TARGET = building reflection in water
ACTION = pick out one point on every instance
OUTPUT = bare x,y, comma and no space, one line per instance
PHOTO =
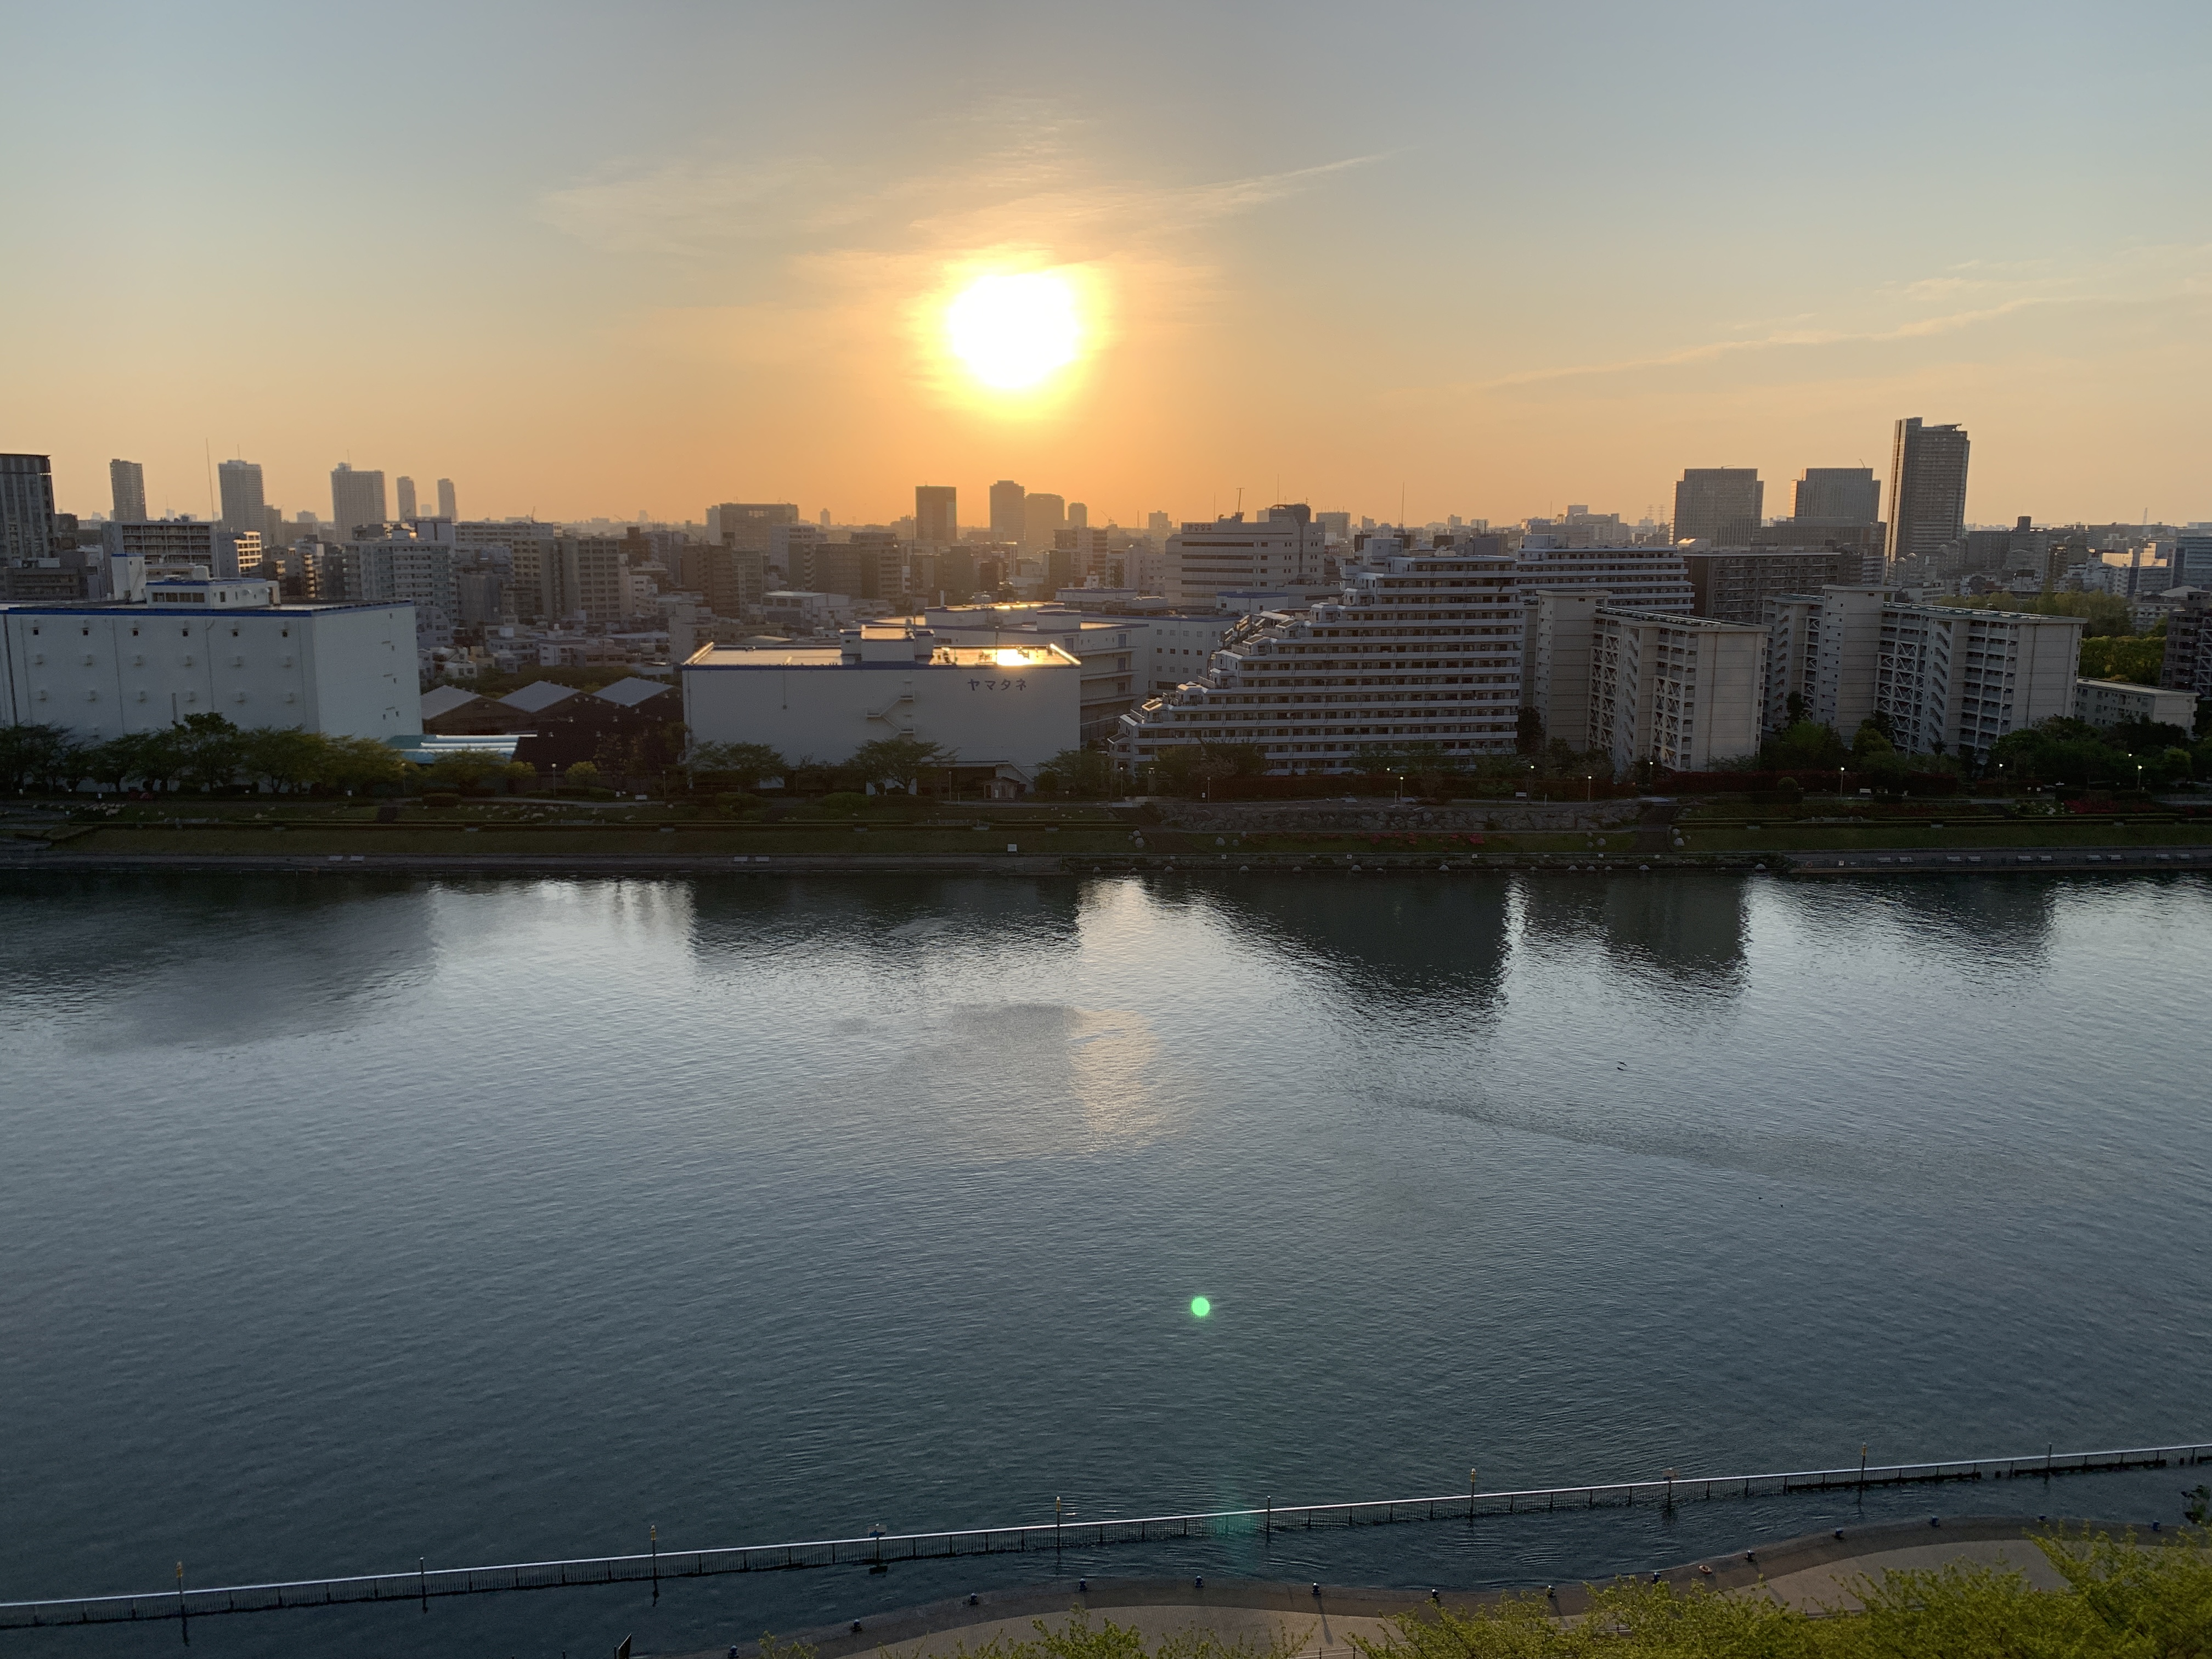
206,960
1997,930
1392,944
1678,931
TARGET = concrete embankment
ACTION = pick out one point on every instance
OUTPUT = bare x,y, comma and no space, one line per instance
1816,1572
1855,863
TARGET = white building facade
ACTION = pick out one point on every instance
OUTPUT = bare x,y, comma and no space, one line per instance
2116,703
1011,705
1954,679
102,670
1424,649
1280,552
1684,692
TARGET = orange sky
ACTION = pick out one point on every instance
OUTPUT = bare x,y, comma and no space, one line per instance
1500,262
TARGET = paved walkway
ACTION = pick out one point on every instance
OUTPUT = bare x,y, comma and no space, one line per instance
1815,1573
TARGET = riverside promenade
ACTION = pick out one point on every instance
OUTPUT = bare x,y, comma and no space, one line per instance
1816,1572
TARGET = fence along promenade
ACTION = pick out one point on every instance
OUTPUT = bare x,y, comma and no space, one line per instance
185,1602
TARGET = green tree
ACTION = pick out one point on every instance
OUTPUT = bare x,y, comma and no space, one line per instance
1809,745
1086,773
290,758
210,751
1872,739
2135,660
469,771
585,775
1528,731
38,756
118,761
899,763
743,764
361,765
2104,614
519,775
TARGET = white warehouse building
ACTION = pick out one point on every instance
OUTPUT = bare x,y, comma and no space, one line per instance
1009,706
102,670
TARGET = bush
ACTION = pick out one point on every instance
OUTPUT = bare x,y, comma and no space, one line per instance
843,803
441,799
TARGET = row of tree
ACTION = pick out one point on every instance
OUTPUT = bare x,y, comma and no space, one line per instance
202,751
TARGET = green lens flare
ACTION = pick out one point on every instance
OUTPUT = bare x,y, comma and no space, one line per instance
1200,1307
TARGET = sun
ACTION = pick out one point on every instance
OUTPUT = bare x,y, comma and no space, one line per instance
1014,331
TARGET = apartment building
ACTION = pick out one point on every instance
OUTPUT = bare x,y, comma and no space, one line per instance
1954,679
1683,692
1423,648
1647,578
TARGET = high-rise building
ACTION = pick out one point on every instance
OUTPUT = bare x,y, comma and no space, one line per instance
1684,692
1719,504
447,509
747,524
356,500
1006,510
126,481
27,507
1280,554
1733,584
1079,515
407,487
936,514
1927,489
1158,524
1846,495
243,508
1043,512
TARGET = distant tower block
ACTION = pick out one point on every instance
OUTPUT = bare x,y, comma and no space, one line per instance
447,509
406,486
127,479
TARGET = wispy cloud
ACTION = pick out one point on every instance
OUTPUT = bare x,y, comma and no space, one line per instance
2134,277
1028,182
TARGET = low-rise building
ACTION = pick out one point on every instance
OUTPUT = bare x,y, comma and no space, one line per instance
2103,703
1111,649
1013,707
215,647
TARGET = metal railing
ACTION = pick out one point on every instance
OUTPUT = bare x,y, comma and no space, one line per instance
424,1582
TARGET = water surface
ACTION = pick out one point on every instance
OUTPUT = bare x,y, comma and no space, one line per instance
350,1219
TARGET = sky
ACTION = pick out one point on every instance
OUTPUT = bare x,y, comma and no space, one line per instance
1477,259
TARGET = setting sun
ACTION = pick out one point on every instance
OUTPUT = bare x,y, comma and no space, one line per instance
1013,331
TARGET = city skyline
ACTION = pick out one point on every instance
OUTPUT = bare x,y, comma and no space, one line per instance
1341,296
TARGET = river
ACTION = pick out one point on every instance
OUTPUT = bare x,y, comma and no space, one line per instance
347,1220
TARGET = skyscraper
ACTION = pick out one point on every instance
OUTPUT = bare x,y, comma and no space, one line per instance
936,513
406,486
748,524
1006,499
1719,504
356,499
27,507
243,508
1079,515
446,508
1927,489
1847,494
127,480
1043,512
